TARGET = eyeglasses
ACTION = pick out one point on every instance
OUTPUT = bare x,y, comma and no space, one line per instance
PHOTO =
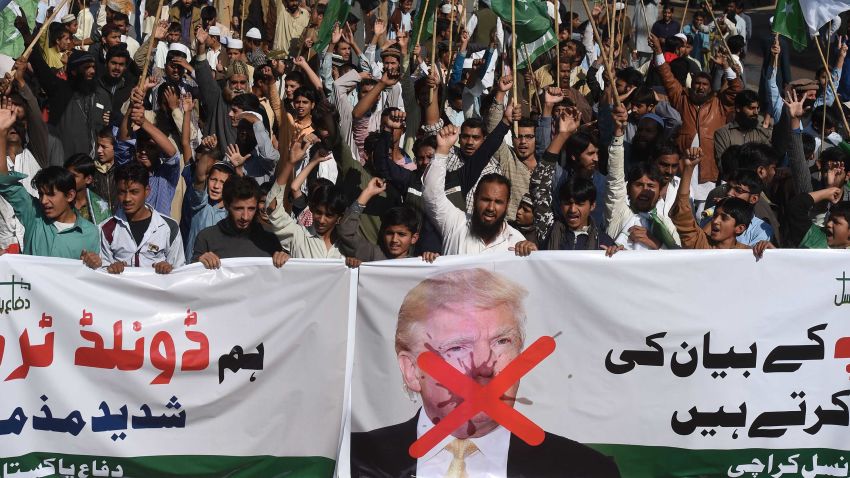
740,190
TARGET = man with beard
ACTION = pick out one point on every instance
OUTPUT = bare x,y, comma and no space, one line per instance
702,112
110,37
77,106
630,202
114,82
745,128
215,101
483,231
291,22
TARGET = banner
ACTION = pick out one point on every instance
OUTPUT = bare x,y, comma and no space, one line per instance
233,372
685,363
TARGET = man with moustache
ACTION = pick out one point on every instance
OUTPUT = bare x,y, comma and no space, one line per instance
474,319
745,128
483,231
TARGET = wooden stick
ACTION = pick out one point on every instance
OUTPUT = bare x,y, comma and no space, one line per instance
622,33
151,45
829,73
684,14
242,21
714,19
533,79
608,69
557,45
434,53
775,57
451,29
831,85
421,26
515,73
645,18
571,19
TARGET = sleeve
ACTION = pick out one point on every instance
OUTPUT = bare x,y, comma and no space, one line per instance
472,168
106,255
201,246
268,154
124,151
797,218
283,226
675,90
797,158
616,198
494,116
541,195
36,129
774,99
352,243
544,135
176,257
721,143
692,236
209,88
26,207
438,208
457,68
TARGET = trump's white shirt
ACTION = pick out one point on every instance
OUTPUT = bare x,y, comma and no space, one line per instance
490,460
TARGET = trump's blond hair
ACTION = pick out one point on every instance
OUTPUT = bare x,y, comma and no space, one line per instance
478,288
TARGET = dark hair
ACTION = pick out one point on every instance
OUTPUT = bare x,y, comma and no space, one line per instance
581,50
208,13
455,91
493,178
577,189
237,188
680,67
82,163
174,27
106,132
474,123
642,169
247,102
665,148
222,167
644,95
700,14
736,44
577,144
748,178
109,28
671,44
260,76
120,16
426,141
757,155
296,76
305,92
370,144
212,153
119,50
133,171
368,82
842,210
265,188
809,145
740,210
699,74
327,195
527,123
729,161
54,177
55,31
631,77
400,216
818,118
746,98
834,154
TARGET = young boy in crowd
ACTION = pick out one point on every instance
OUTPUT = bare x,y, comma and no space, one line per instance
137,235
731,217
52,226
91,207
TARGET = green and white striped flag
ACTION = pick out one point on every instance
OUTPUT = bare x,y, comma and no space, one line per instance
800,19
11,42
535,31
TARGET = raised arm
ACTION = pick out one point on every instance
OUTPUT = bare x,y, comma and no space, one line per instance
445,216
388,79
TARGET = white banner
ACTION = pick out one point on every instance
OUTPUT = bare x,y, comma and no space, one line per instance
684,363
241,369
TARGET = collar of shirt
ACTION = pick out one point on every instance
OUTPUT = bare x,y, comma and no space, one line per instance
494,445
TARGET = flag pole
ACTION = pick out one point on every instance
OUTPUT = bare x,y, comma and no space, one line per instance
434,53
421,24
514,71
608,70
684,14
571,22
451,35
714,19
150,47
775,57
557,45
534,79
831,85
44,27
823,124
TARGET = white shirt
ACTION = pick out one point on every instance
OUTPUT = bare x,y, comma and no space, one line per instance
132,45
454,224
490,460
25,163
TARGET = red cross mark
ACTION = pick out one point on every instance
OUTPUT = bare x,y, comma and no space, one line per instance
486,398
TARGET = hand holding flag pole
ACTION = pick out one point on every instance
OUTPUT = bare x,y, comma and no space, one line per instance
605,57
832,86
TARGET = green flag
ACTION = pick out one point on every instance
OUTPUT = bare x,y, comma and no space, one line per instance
11,42
789,22
336,12
428,9
535,30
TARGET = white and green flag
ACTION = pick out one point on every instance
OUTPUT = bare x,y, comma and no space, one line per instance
800,19
535,30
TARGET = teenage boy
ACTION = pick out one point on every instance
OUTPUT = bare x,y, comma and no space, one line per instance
137,235
239,234
398,233
835,233
745,184
92,207
731,217
205,198
52,226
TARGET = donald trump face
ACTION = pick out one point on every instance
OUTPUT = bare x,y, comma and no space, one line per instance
473,319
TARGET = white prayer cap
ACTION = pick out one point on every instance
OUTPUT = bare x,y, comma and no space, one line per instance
114,6
682,36
446,8
254,33
177,46
68,18
234,43
215,31
619,6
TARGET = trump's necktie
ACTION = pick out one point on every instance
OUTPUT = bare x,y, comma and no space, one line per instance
460,449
